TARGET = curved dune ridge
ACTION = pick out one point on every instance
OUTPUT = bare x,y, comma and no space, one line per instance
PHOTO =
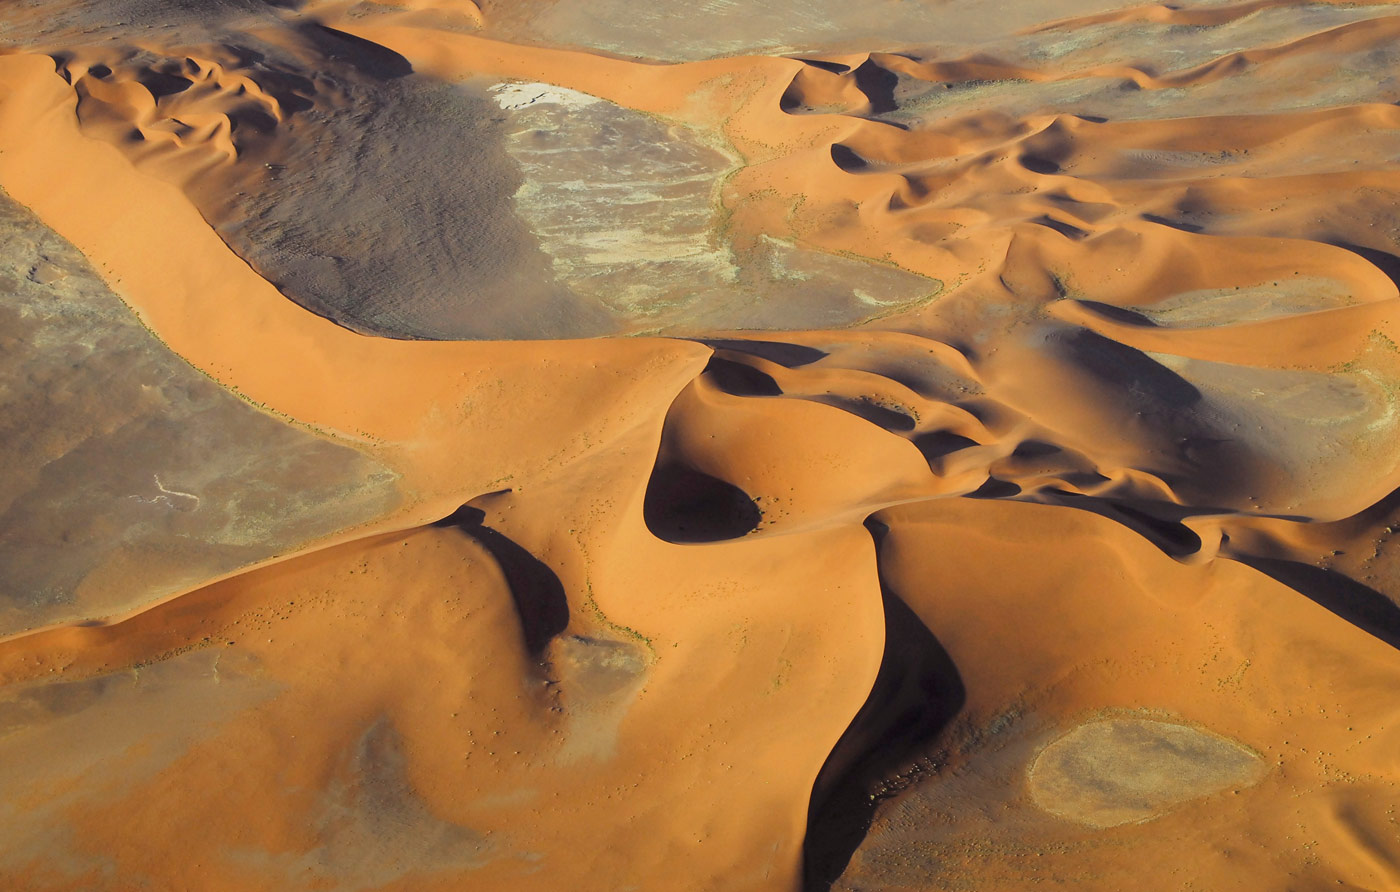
566,446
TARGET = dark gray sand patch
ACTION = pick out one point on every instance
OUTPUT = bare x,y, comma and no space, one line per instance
128,474
680,30
389,211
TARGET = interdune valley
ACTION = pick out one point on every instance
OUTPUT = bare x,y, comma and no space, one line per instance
572,445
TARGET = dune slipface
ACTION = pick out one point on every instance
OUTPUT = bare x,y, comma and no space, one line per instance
579,446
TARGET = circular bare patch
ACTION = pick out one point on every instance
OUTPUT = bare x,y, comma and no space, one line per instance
1119,771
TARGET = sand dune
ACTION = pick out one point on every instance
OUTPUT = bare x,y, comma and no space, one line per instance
798,446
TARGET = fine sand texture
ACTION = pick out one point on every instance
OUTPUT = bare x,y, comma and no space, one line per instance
560,445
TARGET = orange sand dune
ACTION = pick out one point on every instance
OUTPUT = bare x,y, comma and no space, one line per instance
879,453
1169,14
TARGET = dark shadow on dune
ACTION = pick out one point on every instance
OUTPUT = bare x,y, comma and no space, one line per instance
916,693
1117,314
1382,509
538,594
1129,369
937,444
1035,449
847,159
683,504
256,118
365,56
1173,537
739,379
1381,260
878,415
1067,230
294,92
1159,524
1083,479
1037,164
878,85
787,355
1358,604
916,189
833,67
995,488
162,84
1174,224
60,66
